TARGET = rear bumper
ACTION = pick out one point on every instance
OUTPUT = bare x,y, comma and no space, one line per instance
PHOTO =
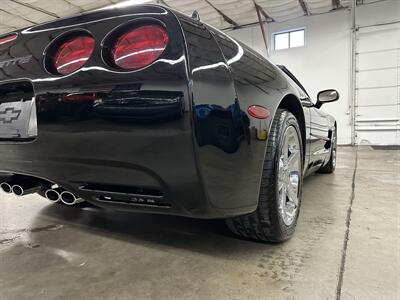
141,170
114,160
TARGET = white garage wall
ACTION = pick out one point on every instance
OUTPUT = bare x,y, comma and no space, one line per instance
378,79
325,60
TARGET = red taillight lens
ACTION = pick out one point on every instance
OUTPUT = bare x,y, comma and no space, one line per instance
8,38
73,54
139,47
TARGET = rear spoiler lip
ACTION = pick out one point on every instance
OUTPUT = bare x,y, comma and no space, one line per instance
111,12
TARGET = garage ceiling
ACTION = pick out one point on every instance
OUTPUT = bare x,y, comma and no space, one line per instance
17,14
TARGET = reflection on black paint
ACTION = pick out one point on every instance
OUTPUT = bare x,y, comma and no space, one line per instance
249,68
143,106
221,127
134,106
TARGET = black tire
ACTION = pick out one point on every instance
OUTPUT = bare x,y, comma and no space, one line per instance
266,223
331,165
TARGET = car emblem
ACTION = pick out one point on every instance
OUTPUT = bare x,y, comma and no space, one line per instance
9,115
15,61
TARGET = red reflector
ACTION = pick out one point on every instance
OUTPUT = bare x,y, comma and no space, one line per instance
8,38
80,97
73,54
139,47
258,112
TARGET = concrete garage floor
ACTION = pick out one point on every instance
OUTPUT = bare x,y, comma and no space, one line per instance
346,246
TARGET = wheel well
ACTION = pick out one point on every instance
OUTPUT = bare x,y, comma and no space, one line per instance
292,104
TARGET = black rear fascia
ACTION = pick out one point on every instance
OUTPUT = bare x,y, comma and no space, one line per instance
98,150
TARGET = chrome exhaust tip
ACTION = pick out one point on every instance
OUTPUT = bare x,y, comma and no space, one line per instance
26,188
6,187
17,190
70,199
53,195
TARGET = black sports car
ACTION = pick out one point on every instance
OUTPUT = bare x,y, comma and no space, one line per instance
146,109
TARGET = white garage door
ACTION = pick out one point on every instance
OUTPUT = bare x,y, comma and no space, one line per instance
377,119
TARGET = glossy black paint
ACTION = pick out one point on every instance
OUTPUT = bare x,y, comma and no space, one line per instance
173,137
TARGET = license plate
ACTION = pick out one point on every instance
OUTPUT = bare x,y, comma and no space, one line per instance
18,119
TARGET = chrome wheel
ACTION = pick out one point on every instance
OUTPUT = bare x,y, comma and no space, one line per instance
289,178
334,158
334,150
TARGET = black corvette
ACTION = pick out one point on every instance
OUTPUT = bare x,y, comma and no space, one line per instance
146,109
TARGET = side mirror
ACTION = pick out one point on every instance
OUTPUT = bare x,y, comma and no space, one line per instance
326,97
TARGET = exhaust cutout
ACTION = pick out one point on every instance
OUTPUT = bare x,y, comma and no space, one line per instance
70,199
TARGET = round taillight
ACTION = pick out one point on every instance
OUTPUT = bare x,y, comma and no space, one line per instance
72,54
258,112
139,47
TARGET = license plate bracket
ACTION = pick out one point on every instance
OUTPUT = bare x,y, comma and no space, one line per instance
18,119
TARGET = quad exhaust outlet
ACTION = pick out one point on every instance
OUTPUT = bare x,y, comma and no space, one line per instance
20,185
61,195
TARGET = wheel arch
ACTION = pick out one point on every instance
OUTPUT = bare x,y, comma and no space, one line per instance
291,103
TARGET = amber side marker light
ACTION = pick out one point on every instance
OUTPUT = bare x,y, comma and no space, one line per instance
8,38
258,112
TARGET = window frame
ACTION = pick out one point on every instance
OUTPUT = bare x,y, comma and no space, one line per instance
288,32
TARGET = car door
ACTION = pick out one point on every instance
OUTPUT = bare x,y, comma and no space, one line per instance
319,139
307,105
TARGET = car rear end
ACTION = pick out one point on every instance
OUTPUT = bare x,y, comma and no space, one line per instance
99,105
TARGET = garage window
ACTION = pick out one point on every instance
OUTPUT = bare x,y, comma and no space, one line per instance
289,39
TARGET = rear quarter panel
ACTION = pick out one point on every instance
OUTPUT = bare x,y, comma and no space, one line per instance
226,78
